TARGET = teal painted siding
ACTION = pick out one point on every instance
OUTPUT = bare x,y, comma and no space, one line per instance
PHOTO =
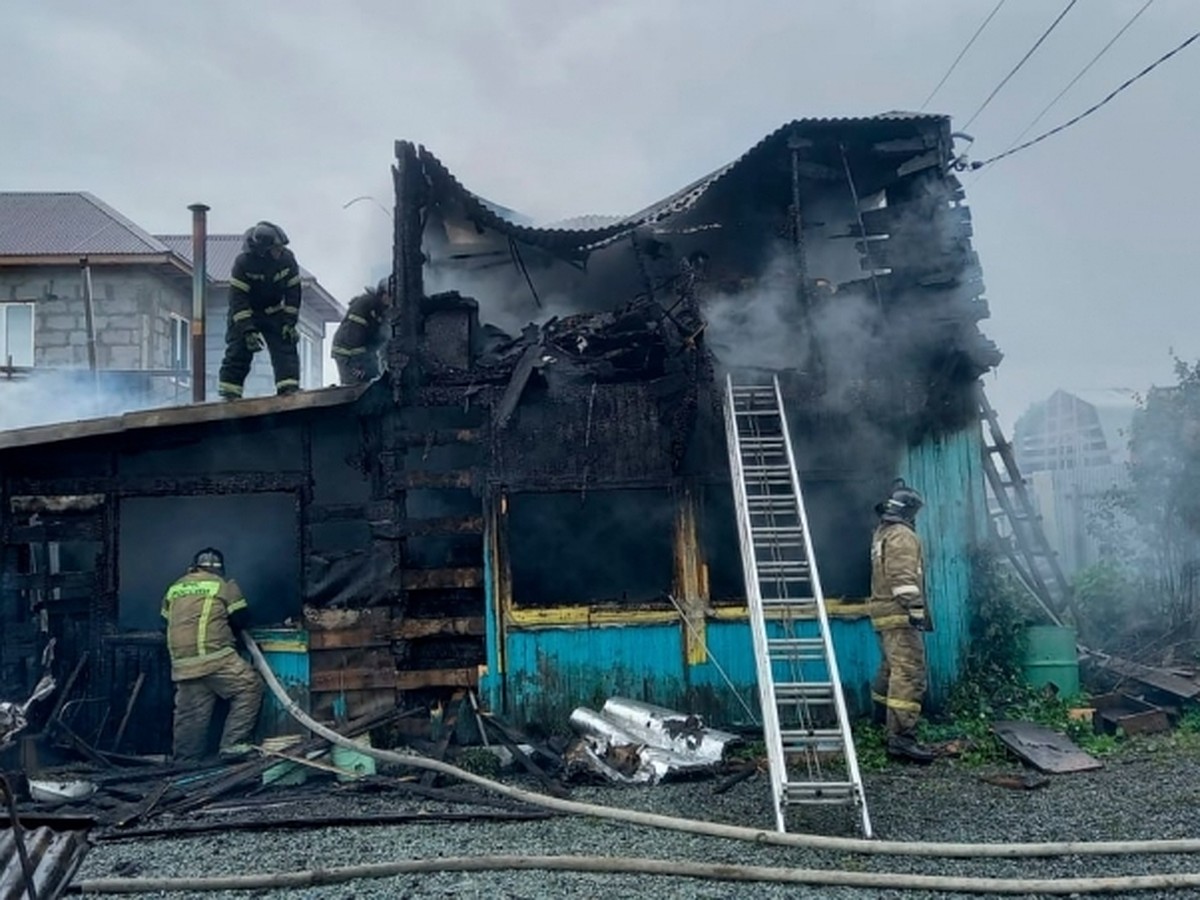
948,471
550,671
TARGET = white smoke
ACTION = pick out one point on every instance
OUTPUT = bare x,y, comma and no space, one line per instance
57,397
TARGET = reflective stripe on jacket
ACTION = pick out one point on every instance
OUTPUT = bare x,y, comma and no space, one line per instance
897,575
197,609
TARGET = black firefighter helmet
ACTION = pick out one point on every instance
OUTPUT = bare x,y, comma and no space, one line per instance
210,559
264,236
903,504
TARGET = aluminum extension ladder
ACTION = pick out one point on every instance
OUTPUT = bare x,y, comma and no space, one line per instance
800,692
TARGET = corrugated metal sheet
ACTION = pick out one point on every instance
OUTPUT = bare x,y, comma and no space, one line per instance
55,856
948,471
54,224
605,228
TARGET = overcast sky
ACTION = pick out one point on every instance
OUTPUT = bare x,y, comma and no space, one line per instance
288,110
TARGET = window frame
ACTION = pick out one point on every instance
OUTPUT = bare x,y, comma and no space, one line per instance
179,331
5,306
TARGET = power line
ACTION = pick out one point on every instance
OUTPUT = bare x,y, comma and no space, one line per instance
962,53
1017,67
1082,72
1091,109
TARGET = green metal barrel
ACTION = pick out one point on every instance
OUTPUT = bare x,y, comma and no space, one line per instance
1051,658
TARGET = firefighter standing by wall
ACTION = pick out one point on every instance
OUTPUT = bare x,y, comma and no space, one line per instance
204,611
360,337
900,616
264,309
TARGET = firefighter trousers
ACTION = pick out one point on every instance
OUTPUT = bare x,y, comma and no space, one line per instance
900,683
195,698
285,355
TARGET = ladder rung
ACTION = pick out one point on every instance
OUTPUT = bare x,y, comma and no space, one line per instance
806,691
803,605
820,792
810,738
796,650
781,530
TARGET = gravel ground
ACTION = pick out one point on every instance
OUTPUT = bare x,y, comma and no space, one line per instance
1146,795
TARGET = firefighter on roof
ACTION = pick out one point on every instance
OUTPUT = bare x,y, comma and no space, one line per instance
203,612
900,616
359,339
264,309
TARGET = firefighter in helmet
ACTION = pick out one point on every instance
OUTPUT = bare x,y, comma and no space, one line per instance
361,336
264,311
900,616
204,613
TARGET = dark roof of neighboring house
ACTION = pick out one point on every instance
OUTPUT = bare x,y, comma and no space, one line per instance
195,414
68,223
56,226
589,231
222,249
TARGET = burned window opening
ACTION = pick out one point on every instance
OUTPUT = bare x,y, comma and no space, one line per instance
607,546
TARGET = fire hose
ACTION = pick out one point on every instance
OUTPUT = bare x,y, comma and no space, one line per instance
691,826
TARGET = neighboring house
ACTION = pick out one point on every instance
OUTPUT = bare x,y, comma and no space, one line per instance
142,301
1072,448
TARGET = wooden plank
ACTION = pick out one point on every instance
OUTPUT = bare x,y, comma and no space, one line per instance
413,629
439,437
1044,749
377,618
456,478
427,678
439,579
347,638
919,215
352,679
442,525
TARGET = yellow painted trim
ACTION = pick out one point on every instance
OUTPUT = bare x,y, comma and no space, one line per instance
292,646
585,616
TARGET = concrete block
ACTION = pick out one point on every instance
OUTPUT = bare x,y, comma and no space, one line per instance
54,307
66,323
125,357
53,338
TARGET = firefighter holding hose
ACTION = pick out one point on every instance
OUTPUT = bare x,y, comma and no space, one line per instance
204,613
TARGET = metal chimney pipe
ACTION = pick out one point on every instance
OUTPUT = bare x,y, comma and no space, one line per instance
199,287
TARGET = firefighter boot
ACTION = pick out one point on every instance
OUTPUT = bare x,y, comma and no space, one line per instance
905,746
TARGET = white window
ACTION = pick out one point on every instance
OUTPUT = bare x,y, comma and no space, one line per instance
308,361
16,334
180,354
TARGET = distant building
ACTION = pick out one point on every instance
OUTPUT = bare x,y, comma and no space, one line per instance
1073,448
142,303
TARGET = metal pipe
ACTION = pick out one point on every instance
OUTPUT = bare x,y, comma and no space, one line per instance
199,287
89,312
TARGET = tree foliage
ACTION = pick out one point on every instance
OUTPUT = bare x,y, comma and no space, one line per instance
1159,555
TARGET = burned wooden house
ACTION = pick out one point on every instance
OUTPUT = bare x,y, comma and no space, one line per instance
534,502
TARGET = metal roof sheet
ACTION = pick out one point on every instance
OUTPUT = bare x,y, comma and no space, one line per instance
194,414
75,223
54,855
587,231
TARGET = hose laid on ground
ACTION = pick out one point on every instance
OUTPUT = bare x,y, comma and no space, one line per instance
640,866
716,829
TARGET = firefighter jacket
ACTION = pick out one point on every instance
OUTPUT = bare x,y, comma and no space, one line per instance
362,329
263,286
197,609
897,575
